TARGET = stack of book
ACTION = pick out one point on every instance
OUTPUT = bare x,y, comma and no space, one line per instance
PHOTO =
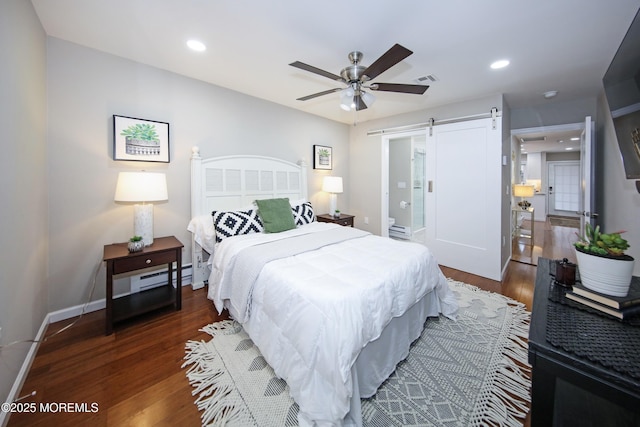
619,307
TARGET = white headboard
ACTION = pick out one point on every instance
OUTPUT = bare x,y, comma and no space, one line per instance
234,182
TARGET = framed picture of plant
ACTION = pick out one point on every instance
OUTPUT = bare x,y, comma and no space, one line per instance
140,140
322,157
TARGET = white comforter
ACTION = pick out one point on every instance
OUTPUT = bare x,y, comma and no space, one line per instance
312,313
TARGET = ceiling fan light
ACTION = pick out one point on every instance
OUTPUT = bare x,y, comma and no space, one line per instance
346,99
367,98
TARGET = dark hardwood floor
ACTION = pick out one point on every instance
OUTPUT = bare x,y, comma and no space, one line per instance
135,376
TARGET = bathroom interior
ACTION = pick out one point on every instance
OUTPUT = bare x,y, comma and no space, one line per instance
407,171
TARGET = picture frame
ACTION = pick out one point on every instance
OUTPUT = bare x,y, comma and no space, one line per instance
140,140
322,157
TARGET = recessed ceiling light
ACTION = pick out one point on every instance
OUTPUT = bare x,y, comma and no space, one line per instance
575,138
196,45
500,64
569,148
550,94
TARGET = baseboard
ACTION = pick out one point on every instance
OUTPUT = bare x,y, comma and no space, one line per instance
68,313
24,369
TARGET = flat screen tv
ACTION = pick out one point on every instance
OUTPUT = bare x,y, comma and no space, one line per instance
622,89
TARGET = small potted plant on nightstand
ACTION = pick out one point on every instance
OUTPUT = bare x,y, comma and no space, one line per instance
336,213
136,244
603,265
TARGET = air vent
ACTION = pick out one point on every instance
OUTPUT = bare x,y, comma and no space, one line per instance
426,79
539,138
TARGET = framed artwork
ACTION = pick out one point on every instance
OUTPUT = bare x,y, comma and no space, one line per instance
140,140
322,157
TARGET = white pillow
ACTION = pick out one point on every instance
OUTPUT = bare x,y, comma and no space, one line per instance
204,232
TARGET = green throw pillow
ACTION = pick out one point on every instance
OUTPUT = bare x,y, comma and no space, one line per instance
276,215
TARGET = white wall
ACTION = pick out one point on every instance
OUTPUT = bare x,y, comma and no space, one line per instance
23,194
86,88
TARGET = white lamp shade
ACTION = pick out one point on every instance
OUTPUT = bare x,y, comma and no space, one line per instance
332,184
141,187
367,98
521,190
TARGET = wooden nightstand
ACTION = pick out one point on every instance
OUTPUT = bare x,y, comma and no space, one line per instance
344,219
165,250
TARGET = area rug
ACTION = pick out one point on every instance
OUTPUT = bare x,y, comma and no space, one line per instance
564,221
468,372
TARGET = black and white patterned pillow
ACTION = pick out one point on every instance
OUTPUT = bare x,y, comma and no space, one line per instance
235,223
303,214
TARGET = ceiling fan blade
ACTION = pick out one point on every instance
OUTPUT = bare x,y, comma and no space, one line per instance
360,105
402,88
390,58
315,95
315,70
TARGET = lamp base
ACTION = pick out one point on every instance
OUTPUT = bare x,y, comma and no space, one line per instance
524,204
333,204
143,222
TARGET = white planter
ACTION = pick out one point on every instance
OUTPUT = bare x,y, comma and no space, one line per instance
608,276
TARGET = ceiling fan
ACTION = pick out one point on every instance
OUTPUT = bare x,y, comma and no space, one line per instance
357,76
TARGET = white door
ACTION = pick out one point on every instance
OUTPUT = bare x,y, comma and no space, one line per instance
463,199
587,166
564,188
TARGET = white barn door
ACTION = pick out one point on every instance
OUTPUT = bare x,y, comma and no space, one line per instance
464,195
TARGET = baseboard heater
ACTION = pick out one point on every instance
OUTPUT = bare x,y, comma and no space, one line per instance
400,231
146,281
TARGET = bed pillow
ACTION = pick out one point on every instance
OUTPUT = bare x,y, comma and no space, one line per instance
276,215
303,213
235,223
204,233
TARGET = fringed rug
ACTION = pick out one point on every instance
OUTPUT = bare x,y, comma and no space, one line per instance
469,372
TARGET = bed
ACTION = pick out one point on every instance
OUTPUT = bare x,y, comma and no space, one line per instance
332,309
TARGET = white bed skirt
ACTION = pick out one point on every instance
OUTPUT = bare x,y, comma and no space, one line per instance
379,358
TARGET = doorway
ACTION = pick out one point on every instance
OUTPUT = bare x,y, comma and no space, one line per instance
562,155
405,186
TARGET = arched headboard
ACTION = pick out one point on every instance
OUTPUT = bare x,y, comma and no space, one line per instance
234,182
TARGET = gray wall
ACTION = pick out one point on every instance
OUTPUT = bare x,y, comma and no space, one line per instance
618,199
86,87
23,168
553,113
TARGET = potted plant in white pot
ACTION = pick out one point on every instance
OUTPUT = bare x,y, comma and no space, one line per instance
603,265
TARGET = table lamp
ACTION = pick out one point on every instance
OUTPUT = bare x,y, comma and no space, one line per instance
332,185
141,188
522,191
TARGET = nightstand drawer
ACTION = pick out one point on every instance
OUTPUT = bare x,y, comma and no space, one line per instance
347,222
344,219
143,261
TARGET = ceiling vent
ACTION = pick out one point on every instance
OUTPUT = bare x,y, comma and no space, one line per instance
532,139
426,79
